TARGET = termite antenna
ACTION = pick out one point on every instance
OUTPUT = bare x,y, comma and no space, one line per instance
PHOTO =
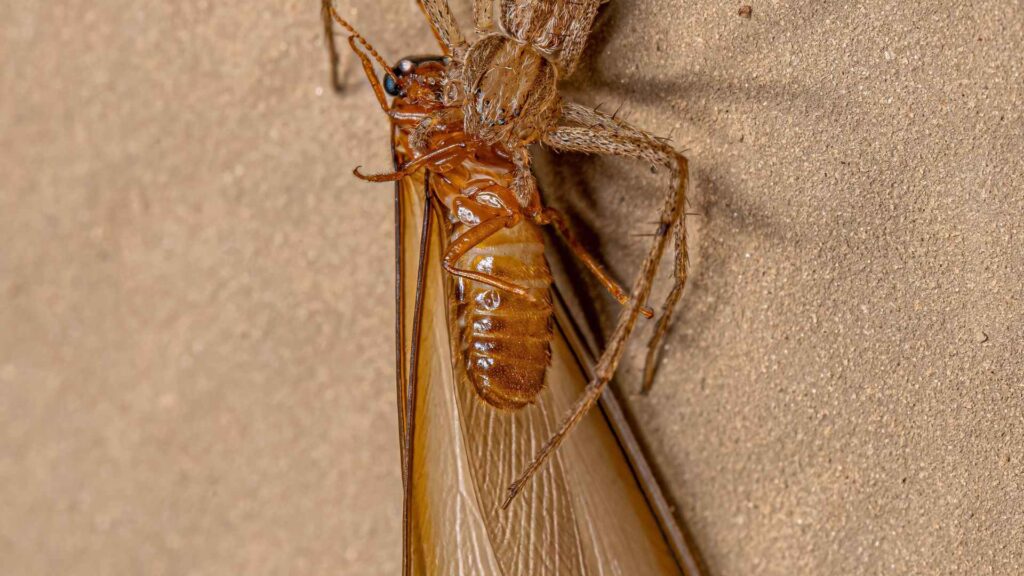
328,7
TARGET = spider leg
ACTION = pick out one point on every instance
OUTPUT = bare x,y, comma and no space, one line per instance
587,131
443,23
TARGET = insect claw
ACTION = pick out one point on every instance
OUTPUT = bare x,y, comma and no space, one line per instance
513,491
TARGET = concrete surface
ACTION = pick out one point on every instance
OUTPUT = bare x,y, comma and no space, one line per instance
195,295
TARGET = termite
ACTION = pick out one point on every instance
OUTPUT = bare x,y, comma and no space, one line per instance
462,123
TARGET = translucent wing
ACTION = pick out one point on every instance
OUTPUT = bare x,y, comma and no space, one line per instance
444,530
584,513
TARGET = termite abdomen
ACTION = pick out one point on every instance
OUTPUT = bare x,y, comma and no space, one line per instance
505,339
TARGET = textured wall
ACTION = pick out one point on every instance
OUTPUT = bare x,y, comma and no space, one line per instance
195,294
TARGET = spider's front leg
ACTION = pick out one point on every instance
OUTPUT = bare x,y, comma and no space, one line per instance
443,23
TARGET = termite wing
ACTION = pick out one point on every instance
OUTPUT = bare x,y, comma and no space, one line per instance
595,508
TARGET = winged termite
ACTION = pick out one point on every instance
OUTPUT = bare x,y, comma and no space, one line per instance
477,345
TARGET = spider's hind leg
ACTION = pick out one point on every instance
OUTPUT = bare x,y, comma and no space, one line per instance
589,131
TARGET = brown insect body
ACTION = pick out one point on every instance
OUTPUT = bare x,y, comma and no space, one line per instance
504,338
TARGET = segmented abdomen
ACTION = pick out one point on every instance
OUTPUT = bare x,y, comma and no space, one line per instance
505,339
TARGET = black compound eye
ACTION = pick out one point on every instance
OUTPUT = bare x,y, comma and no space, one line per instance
391,87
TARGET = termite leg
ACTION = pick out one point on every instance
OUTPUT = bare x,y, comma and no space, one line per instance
554,217
443,155
467,241
433,123
598,133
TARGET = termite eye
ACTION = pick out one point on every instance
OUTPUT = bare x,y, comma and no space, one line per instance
391,87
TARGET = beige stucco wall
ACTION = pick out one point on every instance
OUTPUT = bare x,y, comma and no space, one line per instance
195,294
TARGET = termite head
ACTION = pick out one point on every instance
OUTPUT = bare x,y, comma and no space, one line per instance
511,95
417,78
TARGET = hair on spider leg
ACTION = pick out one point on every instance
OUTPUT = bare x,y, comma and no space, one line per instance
662,230
615,115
